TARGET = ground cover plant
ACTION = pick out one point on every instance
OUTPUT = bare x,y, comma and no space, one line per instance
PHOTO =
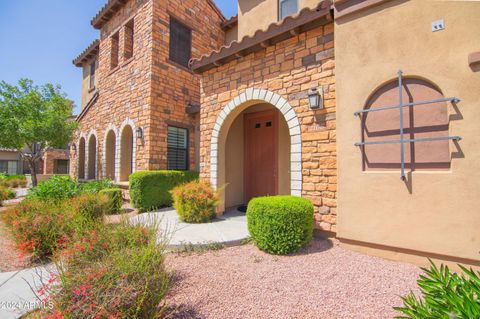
6,194
150,190
195,202
444,294
280,224
13,181
115,199
114,271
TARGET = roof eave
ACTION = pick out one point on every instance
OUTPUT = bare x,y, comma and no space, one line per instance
90,52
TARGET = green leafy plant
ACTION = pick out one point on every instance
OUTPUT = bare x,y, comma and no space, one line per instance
445,294
33,119
280,224
151,189
13,181
195,202
94,187
56,189
115,198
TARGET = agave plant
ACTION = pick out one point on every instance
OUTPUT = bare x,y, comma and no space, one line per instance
445,294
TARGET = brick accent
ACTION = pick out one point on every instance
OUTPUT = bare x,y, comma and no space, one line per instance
147,89
282,74
50,157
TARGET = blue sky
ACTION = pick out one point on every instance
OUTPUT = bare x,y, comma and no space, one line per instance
39,39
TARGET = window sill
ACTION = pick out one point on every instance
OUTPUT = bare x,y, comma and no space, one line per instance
121,66
177,65
92,89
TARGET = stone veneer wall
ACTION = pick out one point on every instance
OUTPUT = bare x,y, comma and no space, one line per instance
147,90
289,69
50,157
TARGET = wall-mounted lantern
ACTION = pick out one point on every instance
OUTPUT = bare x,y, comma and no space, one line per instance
73,147
139,133
315,99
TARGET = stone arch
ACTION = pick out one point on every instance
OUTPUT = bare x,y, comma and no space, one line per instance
126,142
92,155
252,96
81,157
110,152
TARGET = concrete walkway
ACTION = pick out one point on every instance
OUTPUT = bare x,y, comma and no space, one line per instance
230,229
17,291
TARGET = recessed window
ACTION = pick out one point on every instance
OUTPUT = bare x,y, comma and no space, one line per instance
180,43
177,153
268,124
287,8
92,74
258,125
61,167
9,167
129,36
115,40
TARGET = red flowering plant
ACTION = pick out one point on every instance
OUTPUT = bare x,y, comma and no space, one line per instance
114,271
195,202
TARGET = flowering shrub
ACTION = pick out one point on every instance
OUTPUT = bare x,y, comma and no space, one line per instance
114,271
90,205
195,202
40,228
6,193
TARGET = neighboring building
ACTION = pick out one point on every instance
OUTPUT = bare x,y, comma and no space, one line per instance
53,162
11,162
140,105
269,109
260,134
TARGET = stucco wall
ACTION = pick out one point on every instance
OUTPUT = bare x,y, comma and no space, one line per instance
87,91
259,14
433,212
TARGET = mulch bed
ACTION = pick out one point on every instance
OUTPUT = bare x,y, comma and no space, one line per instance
323,281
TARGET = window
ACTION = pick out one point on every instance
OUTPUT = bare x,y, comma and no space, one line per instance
92,74
129,31
61,167
180,43
114,51
177,153
9,167
287,8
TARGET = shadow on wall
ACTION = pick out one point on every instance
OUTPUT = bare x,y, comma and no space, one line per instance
245,6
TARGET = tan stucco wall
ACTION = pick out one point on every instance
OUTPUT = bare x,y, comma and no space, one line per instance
259,14
87,92
231,35
435,212
9,156
234,155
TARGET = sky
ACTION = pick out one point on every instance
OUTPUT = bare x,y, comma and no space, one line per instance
40,38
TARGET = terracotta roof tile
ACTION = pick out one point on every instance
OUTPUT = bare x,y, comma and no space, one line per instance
87,54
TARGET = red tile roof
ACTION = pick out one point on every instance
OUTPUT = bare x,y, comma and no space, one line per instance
87,54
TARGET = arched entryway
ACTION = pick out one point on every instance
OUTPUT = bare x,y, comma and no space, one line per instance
81,158
256,148
126,153
92,157
110,151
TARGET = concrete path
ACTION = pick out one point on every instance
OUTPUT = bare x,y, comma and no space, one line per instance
230,229
17,291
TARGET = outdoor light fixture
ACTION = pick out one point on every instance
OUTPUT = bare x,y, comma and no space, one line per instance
73,147
139,133
315,99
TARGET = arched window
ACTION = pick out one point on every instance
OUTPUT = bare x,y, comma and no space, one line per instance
425,134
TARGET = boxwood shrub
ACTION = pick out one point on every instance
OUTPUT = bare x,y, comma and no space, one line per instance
280,224
115,199
151,189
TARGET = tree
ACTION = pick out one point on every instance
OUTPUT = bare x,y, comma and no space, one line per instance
34,119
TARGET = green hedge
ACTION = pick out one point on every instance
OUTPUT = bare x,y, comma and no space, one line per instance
116,200
280,224
150,190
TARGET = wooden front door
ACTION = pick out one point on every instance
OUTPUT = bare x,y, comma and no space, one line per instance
261,164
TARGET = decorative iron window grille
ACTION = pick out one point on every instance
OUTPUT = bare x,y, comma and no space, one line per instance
402,139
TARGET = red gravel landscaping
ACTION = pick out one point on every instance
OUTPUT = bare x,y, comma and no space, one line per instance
324,281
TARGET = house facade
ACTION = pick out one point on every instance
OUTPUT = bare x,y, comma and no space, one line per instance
53,162
140,99
368,108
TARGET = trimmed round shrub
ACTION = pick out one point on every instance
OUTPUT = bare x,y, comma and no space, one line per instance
93,206
195,202
116,200
280,224
150,190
